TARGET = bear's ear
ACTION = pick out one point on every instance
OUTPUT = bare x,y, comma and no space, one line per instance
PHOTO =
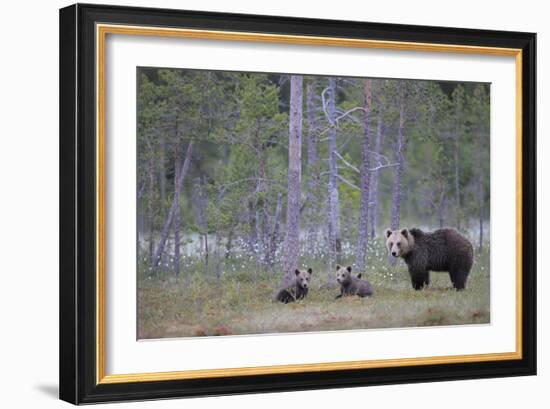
359,275
348,268
338,268
405,233
310,271
388,233
297,272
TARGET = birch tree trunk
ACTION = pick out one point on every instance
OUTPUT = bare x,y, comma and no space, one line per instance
312,157
362,237
333,198
373,191
171,213
292,237
400,158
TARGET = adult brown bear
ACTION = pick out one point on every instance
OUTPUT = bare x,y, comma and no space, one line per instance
441,250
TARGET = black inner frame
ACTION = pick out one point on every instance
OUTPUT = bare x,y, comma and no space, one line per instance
77,204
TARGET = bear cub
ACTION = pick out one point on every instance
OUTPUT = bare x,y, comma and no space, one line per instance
444,250
352,285
296,289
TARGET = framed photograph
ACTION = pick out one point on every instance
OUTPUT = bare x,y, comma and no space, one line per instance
257,203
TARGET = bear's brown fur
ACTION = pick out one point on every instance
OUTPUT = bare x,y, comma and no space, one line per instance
296,289
441,250
352,285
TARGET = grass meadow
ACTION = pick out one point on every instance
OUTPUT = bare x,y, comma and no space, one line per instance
240,301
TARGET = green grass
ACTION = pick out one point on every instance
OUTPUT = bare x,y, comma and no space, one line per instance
241,303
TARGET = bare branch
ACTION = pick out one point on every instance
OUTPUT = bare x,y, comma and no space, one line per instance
390,165
379,156
325,105
338,118
348,112
346,162
347,182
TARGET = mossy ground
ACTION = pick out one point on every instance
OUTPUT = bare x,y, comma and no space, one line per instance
242,303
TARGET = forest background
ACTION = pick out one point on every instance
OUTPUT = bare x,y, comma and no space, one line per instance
244,177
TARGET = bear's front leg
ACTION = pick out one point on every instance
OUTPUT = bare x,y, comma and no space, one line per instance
419,278
427,279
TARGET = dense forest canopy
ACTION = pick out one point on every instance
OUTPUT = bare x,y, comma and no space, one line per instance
279,170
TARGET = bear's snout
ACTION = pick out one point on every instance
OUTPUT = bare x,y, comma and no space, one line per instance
394,253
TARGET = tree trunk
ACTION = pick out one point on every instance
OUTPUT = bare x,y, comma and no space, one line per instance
177,216
171,213
253,227
201,202
333,198
441,210
229,244
373,192
150,209
218,267
292,238
312,157
274,239
162,170
262,222
481,200
456,161
206,252
362,236
400,158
